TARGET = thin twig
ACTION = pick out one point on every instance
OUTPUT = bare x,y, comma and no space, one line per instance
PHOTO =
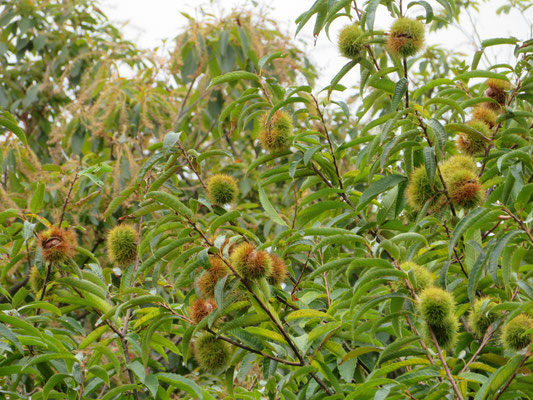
46,279
231,341
445,365
506,385
484,342
486,234
82,386
191,165
327,182
406,77
323,342
296,205
66,200
265,91
422,344
368,46
184,102
252,350
301,273
455,250
326,132
519,222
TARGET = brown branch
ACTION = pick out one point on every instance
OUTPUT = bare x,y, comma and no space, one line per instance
327,182
407,90
486,234
184,102
67,199
296,205
191,166
455,250
325,277
82,386
231,341
326,132
369,47
46,279
422,344
301,273
252,350
445,365
246,284
506,385
265,91
323,342
484,342
519,221
373,56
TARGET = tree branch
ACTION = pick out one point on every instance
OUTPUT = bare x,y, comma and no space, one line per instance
445,365
506,385
262,305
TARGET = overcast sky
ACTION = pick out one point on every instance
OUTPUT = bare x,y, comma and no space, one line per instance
151,21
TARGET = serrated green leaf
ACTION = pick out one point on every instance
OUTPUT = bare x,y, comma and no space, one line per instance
465,224
399,91
234,76
269,209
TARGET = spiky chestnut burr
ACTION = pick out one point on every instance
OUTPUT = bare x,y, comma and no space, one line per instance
445,332
57,244
279,271
435,305
497,90
406,37
36,280
460,161
471,144
424,278
275,136
464,188
122,245
419,190
201,309
207,281
482,316
514,336
222,189
212,354
349,42
485,114
251,263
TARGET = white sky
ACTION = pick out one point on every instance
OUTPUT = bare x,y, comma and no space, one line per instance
151,21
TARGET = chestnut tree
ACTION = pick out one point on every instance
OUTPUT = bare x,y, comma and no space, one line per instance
211,223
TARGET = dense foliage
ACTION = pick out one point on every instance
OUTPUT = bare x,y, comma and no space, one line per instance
210,224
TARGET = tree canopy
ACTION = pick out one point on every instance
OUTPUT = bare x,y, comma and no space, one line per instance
211,223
